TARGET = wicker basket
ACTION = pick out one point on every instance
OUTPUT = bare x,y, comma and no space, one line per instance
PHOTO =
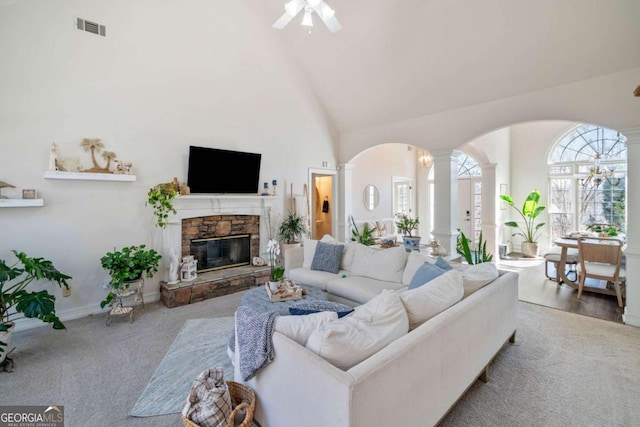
241,397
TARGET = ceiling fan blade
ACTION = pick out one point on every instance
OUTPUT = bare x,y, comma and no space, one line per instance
332,24
291,10
328,16
282,21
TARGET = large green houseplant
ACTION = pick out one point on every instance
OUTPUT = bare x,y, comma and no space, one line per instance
127,266
291,228
15,300
530,229
363,237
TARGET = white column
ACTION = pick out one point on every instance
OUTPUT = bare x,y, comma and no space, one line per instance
631,314
489,202
445,183
345,183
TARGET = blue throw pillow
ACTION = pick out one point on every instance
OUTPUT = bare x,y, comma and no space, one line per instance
443,264
425,273
327,257
310,307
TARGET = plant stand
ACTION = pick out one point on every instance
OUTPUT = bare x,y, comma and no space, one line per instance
7,363
120,307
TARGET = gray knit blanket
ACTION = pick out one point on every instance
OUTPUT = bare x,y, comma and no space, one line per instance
255,340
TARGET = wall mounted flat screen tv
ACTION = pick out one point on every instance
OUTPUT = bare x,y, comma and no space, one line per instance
212,170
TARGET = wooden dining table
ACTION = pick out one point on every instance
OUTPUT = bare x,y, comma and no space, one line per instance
565,244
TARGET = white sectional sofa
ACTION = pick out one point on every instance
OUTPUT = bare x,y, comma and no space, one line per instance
412,381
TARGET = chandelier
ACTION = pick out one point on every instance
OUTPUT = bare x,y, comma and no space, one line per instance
598,174
322,9
424,159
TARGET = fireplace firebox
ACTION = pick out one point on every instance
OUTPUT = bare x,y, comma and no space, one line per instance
217,253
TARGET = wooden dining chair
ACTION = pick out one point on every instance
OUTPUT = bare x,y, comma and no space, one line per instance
600,258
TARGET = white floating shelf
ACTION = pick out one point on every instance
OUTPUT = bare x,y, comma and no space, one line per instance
21,203
88,176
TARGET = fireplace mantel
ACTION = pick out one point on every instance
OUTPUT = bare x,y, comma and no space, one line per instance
200,205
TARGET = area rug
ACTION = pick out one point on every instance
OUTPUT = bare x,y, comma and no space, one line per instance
201,344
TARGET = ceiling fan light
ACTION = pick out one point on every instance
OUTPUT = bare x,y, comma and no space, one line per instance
291,8
327,12
307,21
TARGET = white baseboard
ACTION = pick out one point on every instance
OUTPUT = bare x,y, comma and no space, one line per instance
74,313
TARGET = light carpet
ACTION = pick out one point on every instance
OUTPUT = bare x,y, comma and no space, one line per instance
200,345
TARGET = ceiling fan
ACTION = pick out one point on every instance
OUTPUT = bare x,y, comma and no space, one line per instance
321,8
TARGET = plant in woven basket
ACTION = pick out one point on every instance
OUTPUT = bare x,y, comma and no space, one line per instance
129,264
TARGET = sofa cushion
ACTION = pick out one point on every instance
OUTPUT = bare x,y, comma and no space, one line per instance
476,276
435,296
327,257
348,341
425,273
381,264
299,328
319,279
360,289
309,248
316,306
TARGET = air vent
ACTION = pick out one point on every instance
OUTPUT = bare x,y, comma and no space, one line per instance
91,27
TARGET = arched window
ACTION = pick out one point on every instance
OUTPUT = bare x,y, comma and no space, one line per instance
468,167
587,180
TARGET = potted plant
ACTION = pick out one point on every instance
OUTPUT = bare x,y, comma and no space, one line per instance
161,198
529,231
365,237
290,231
16,300
407,226
128,267
477,256
276,273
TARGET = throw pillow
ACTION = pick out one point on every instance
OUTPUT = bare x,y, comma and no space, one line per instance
327,257
309,249
348,341
382,228
381,264
309,307
299,328
443,264
426,301
414,262
477,276
425,274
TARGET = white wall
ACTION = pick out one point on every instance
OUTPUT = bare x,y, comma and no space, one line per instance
165,77
377,166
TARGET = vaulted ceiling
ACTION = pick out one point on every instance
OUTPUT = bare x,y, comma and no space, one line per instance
395,60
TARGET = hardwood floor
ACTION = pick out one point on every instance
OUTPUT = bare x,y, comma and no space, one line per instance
534,287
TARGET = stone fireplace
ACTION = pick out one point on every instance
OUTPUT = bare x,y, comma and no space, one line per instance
223,233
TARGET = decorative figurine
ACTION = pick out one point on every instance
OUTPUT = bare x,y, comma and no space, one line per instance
53,157
95,145
184,189
4,185
174,264
188,269
117,167
127,168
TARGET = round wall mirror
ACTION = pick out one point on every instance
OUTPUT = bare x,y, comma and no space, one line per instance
370,197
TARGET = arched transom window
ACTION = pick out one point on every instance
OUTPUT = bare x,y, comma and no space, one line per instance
468,167
587,180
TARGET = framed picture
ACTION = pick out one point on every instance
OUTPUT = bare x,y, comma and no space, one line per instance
28,194
504,189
